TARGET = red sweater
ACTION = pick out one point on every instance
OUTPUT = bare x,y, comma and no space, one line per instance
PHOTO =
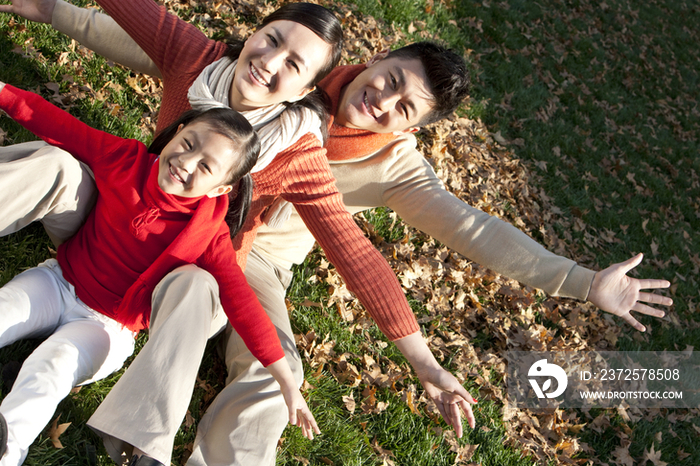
136,233
300,174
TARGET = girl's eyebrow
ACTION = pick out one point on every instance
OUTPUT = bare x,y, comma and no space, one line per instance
295,56
211,159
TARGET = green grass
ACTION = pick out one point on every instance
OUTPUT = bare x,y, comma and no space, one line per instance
600,102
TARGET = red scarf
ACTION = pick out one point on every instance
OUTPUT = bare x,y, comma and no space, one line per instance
206,223
347,143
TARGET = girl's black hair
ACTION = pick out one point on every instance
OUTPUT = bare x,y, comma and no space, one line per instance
325,25
233,125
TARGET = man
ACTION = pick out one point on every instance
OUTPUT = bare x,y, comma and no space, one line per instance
373,156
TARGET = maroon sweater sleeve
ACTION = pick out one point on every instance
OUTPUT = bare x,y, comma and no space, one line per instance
310,186
240,304
179,49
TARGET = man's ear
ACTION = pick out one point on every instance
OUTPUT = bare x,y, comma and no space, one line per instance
302,94
220,190
412,129
379,56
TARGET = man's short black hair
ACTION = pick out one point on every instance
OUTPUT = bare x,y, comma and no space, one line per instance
448,77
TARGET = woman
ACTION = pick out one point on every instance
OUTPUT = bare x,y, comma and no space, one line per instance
299,175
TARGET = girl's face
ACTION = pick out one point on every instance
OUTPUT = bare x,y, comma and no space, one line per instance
197,162
276,65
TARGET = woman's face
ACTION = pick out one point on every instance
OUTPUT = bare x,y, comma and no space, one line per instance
276,65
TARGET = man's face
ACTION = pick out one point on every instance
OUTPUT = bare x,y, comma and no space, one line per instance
390,96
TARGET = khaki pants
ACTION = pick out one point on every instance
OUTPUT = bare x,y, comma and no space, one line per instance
42,182
146,407
244,423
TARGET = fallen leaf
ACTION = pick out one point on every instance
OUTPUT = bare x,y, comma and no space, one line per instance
349,402
56,430
653,456
622,456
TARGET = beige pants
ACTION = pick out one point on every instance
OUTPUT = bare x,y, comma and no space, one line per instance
42,182
146,407
244,423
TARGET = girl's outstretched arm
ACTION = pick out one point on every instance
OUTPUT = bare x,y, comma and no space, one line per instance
299,413
58,127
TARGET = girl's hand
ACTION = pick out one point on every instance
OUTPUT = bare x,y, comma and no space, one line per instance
40,11
614,292
300,414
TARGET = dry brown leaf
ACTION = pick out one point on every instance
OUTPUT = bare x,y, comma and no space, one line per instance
384,455
653,456
189,420
349,402
464,453
56,430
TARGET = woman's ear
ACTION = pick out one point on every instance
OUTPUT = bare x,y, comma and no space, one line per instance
220,190
379,56
302,94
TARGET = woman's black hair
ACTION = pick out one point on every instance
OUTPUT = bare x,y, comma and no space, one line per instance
325,25
233,125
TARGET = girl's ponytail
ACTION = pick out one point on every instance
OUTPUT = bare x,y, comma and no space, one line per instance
239,204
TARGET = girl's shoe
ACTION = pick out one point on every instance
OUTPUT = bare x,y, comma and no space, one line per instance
144,460
3,435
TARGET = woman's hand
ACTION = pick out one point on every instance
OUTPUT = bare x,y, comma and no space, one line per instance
451,399
40,11
443,388
614,292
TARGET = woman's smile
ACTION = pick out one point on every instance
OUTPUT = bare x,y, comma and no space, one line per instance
276,65
257,77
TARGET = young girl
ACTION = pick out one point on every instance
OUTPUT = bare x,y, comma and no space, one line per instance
153,214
